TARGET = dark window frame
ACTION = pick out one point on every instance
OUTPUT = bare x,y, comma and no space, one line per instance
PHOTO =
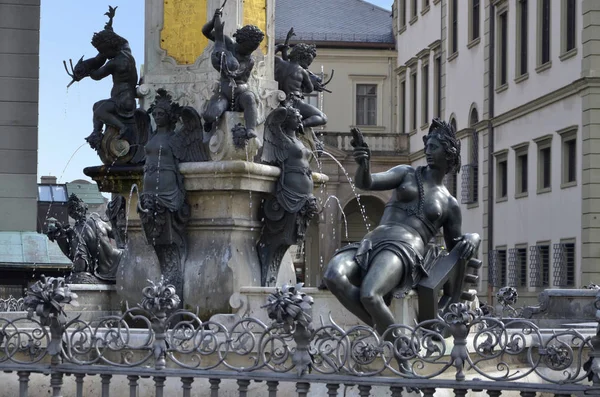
363,114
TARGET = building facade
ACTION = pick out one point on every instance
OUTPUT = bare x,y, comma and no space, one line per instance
517,78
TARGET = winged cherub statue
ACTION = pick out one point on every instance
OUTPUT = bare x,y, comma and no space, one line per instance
120,143
162,205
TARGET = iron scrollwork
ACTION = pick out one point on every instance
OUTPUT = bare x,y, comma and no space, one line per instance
156,333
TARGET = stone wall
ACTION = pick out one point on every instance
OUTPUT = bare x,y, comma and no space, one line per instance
19,77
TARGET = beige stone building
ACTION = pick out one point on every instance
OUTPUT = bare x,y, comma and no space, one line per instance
355,39
518,79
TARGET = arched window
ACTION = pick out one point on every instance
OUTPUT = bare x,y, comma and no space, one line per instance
453,123
473,117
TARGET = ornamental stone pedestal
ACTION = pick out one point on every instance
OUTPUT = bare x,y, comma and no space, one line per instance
224,194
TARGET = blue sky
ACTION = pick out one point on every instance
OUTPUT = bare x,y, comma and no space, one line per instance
65,116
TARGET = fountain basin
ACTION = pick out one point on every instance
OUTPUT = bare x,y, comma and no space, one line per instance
222,233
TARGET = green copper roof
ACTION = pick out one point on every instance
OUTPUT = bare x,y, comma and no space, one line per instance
30,249
88,192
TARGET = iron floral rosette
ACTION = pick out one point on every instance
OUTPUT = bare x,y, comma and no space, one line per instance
291,310
46,299
160,298
507,297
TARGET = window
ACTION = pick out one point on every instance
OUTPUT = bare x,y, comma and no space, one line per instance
569,23
570,161
522,37
425,94
450,180
564,264
402,14
517,266
437,70
521,266
543,32
545,173
413,10
312,99
475,17
453,27
44,193
403,106
366,104
539,265
497,267
521,169
470,177
52,193
425,7
569,156
522,173
501,176
473,118
502,279
413,101
470,172
502,49
544,164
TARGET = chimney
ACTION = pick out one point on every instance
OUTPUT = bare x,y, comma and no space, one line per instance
48,180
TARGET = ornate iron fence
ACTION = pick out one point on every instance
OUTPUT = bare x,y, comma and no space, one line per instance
169,342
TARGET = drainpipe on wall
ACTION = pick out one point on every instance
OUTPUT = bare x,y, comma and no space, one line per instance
393,95
491,81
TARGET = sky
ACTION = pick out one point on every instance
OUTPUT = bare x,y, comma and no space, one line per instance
65,115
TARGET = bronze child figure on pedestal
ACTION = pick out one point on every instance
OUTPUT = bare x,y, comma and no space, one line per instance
233,59
116,114
294,78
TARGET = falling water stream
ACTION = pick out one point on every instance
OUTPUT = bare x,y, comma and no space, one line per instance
353,187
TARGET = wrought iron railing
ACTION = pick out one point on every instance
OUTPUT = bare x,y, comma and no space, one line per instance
11,304
478,352
380,143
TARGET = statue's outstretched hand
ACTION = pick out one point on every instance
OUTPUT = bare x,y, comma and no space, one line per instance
468,244
361,152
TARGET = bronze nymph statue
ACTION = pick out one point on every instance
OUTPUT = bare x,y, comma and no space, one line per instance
87,244
120,143
393,257
287,213
162,206
234,61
